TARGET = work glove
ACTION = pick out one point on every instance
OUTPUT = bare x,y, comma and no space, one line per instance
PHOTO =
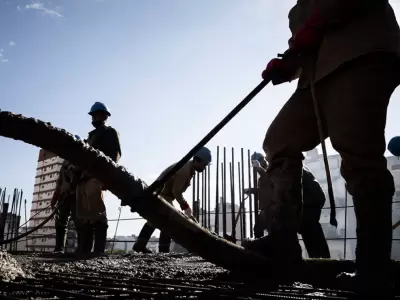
256,164
188,212
310,36
184,206
246,191
280,70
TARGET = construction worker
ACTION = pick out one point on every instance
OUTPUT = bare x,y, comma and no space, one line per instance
346,54
172,190
314,200
90,209
65,196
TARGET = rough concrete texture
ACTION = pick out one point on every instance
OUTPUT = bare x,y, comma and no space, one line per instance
10,268
141,276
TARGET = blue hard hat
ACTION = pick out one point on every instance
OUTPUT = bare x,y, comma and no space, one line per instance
98,106
394,146
204,154
257,156
78,137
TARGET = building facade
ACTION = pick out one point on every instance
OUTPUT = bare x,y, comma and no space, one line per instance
47,172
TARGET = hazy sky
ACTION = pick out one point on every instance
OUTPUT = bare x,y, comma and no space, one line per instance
168,70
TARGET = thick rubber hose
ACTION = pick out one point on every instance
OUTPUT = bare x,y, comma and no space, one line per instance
132,191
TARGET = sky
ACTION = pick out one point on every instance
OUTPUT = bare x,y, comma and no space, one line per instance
168,70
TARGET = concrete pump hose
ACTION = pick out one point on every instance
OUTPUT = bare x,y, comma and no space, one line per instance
132,191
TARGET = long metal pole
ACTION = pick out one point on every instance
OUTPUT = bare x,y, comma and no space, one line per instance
194,197
233,213
198,196
26,227
209,196
250,195
224,197
203,200
241,204
345,220
242,195
217,194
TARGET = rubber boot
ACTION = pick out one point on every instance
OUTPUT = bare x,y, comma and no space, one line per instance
86,235
315,241
60,240
283,213
143,238
373,275
100,237
164,242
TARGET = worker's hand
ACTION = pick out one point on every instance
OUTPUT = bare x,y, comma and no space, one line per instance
256,164
184,205
246,191
280,71
309,37
188,212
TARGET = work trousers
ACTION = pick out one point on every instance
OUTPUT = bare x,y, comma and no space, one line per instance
353,102
91,216
147,231
66,211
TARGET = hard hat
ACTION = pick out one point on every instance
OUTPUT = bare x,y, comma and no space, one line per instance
256,156
98,106
394,146
204,154
78,137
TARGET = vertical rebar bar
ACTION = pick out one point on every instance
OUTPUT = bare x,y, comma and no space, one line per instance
345,220
3,220
202,199
233,213
19,217
224,192
217,194
198,196
250,195
9,218
194,196
242,195
256,194
209,196
241,204
26,227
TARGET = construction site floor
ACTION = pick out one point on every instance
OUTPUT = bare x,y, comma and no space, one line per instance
139,276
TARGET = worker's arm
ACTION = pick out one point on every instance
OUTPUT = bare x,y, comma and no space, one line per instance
180,186
113,148
261,171
250,191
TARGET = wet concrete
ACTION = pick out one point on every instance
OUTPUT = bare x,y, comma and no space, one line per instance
142,276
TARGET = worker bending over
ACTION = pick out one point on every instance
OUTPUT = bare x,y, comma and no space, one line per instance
347,56
172,190
90,209
313,199
65,196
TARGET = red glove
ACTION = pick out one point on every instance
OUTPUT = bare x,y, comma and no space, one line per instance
279,71
184,206
310,36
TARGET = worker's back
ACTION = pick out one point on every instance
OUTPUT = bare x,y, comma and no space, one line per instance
181,178
106,139
373,28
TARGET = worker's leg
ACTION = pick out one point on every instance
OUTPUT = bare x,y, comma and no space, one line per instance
73,218
312,233
143,238
61,224
259,225
311,230
96,213
357,96
293,131
100,235
164,242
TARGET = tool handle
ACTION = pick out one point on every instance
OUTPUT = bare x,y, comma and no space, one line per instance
158,183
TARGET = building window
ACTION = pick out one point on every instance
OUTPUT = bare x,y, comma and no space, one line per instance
42,186
396,167
43,239
34,241
397,195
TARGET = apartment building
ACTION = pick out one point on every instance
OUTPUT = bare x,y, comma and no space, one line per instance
47,172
